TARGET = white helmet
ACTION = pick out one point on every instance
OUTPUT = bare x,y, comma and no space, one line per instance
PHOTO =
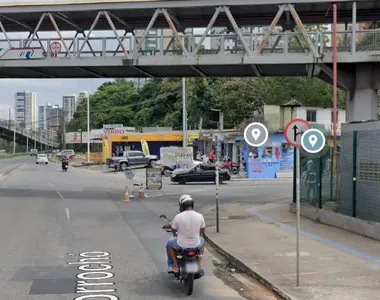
184,199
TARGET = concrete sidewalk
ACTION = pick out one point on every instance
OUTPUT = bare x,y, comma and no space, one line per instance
335,264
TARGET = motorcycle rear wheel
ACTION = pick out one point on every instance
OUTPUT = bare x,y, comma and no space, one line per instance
189,284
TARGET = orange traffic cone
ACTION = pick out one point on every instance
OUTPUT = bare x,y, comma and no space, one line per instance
126,195
141,192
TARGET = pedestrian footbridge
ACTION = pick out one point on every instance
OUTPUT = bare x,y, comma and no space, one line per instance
162,39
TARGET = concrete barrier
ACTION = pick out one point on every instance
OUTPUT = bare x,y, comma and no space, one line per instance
354,225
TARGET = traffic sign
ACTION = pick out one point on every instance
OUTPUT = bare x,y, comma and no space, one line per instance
55,47
256,134
313,140
294,131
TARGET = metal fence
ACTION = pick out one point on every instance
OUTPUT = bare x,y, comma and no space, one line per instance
318,180
360,175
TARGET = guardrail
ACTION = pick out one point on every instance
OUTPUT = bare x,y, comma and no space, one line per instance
212,44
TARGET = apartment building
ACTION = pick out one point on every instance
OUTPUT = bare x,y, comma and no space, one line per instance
26,109
69,106
41,117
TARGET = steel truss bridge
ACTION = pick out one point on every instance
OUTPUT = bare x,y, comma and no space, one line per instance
86,53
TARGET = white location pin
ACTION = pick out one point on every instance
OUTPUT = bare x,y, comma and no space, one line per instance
313,140
256,133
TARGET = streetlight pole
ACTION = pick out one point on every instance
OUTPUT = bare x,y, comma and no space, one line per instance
220,130
27,140
184,114
14,132
88,129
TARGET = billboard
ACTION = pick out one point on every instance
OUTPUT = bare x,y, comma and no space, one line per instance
182,156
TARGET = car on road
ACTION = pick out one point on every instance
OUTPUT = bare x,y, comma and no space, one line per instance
42,159
66,153
199,173
33,152
131,159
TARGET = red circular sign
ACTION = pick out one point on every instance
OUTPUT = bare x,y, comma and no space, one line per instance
301,124
55,47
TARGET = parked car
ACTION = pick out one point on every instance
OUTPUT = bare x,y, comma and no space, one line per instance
42,159
131,159
199,173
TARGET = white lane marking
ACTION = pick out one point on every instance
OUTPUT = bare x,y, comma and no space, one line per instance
60,195
67,214
51,185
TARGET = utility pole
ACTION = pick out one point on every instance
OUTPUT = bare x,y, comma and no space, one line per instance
88,130
14,132
64,128
184,114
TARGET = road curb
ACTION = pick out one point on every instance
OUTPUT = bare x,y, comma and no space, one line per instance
10,169
239,265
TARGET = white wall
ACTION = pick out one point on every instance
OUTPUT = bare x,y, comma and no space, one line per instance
324,115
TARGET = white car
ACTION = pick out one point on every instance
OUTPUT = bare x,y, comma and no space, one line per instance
42,159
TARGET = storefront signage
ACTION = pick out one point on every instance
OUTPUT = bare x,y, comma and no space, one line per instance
182,156
112,126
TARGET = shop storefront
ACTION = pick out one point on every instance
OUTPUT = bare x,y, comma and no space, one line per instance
275,156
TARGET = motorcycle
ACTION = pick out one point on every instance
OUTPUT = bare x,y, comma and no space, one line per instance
228,164
65,167
187,263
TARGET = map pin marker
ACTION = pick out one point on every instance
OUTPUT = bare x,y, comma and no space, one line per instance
313,140
256,133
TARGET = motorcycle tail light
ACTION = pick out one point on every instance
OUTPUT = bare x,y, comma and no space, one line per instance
191,253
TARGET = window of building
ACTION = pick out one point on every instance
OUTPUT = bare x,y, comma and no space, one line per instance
285,147
268,151
332,117
311,115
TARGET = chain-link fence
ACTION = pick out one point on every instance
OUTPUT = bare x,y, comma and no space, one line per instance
318,179
360,175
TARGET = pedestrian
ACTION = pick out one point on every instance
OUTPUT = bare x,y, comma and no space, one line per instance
212,156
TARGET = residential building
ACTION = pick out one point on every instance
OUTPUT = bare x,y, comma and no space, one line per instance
69,106
26,109
276,117
53,117
83,96
41,117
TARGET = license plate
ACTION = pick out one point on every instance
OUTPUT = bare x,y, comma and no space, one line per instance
191,267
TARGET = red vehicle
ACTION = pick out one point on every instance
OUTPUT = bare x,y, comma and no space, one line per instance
228,164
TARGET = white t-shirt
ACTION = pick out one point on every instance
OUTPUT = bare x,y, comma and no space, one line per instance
188,224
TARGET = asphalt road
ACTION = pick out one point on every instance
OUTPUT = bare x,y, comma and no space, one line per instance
7,162
52,222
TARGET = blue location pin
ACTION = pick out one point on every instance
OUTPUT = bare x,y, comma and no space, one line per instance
313,140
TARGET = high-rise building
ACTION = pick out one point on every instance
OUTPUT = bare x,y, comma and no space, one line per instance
41,117
83,96
69,106
53,117
26,109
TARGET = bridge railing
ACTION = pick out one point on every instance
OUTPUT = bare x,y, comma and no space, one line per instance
211,44
41,137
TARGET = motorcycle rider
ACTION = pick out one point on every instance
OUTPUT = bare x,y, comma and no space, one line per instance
189,226
65,161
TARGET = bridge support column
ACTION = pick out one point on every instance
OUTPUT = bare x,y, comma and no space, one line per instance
362,99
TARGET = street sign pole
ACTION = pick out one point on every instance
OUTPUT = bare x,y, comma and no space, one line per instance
217,197
298,208
293,134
